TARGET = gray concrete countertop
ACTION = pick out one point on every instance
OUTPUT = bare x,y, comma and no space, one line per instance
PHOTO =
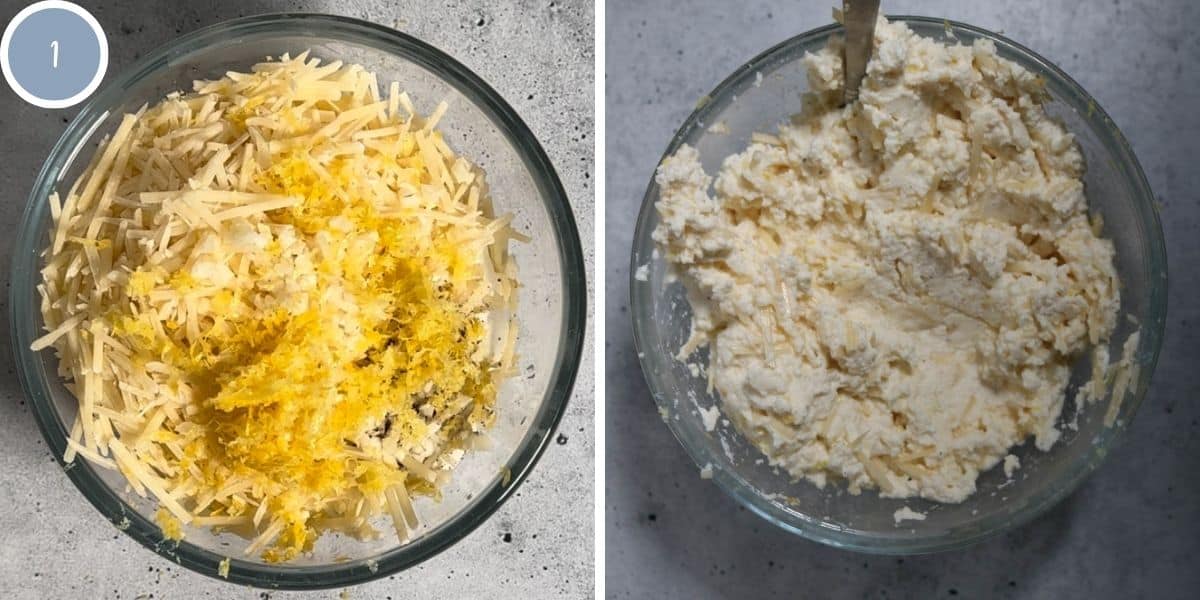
1131,531
539,56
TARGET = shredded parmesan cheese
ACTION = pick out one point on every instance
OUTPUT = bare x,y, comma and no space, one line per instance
283,303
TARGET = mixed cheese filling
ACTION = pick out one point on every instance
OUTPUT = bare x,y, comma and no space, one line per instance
894,292
283,303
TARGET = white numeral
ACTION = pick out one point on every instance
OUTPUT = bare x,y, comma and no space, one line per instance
54,54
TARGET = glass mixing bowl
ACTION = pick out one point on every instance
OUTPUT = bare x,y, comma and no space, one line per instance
481,126
1116,189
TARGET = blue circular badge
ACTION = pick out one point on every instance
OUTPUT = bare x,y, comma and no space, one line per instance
54,54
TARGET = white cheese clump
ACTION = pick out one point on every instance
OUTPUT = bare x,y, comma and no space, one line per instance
905,513
893,292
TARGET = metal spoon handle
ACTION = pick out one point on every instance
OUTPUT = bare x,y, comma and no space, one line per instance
859,19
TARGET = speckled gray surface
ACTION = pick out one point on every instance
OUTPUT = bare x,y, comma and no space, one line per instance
539,56
1131,531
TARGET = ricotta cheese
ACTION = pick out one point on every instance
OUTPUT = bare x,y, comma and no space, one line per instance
709,416
1011,464
893,292
905,513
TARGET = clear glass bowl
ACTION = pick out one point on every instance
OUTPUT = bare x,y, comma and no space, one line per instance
1116,188
481,126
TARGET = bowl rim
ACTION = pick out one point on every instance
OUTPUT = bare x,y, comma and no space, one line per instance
26,255
810,527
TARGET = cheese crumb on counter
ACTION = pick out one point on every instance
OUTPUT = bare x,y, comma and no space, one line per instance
283,303
893,292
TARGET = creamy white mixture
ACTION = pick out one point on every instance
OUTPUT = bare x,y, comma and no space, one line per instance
893,292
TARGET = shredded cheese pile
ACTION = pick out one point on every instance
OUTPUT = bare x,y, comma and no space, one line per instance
283,304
